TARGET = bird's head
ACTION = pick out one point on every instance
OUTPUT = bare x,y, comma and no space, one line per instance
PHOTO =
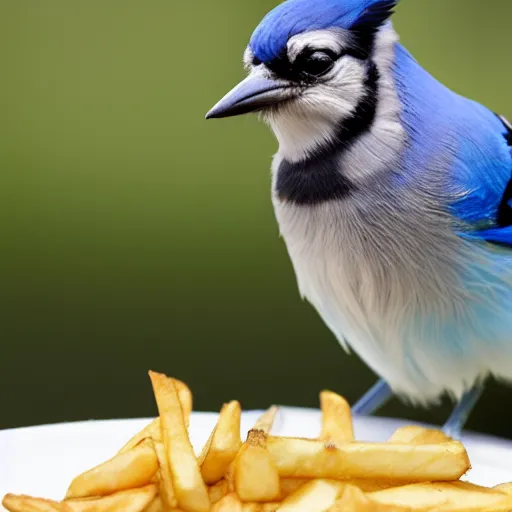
310,66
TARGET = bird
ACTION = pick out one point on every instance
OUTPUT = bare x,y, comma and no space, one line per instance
393,195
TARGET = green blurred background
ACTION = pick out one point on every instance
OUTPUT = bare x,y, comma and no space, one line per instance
136,235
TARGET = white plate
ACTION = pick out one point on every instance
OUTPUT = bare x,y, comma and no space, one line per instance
42,461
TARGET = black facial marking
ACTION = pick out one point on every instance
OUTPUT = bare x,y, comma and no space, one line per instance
317,178
315,63
505,209
374,16
508,134
298,70
504,217
366,27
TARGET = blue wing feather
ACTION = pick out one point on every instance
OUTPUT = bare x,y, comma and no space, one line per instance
482,169
476,141
501,236
482,174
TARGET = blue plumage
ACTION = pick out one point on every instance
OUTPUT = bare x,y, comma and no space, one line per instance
474,145
501,236
294,17
475,138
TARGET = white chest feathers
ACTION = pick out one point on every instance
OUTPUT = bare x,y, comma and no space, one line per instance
372,273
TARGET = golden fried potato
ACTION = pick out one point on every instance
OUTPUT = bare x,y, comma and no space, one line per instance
128,470
417,470
186,400
307,458
232,503
156,506
266,420
255,475
445,497
269,507
337,424
229,503
153,429
190,490
290,485
418,435
353,499
506,488
23,503
223,445
218,491
315,496
166,490
133,500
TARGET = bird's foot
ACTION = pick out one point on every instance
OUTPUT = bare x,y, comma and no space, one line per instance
381,393
373,399
453,427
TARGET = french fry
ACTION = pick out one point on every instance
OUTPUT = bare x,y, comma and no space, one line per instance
255,475
186,399
505,488
230,477
229,503
23,503
353,499
418,435
218,491
290,485
306,458
133,500
127,470
445,496
315,496
269,507
337,424
167,493
505,505
416,470
156,505
153,429
474,498
150,431
223,444
189,487
232,503
266,420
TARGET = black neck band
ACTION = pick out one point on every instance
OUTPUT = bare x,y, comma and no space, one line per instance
317,178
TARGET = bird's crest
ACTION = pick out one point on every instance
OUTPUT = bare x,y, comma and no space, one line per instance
294,17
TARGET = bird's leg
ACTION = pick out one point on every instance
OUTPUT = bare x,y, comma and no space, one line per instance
453,427
373,399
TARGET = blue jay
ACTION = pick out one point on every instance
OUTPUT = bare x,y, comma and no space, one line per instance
393,195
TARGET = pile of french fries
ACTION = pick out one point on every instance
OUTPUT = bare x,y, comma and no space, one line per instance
417,469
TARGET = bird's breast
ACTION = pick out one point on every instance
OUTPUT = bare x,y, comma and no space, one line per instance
372,273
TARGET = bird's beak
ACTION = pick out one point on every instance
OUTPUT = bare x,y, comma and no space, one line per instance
252,94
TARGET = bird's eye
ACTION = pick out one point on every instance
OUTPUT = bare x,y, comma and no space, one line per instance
316,63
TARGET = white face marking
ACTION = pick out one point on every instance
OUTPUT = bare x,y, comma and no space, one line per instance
309,120
247,60
379,147
335,40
